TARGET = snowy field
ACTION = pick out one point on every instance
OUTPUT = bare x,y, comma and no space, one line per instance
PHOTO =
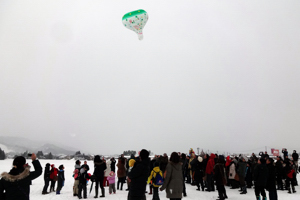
67,191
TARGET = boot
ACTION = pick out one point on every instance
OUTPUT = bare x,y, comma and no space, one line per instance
96,191
293,188
103,192
244,190
289,191
264,198
257,197
150,190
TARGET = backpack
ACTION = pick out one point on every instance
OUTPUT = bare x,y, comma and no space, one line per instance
158,179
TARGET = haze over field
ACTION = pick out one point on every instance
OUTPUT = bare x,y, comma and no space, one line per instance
219,75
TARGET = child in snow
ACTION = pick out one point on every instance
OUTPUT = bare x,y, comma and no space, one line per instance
111,179
152,176
53,177
61,179
76,182
82,183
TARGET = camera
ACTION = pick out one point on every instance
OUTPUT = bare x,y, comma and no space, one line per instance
30,154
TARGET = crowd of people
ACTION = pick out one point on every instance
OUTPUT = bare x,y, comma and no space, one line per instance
208,173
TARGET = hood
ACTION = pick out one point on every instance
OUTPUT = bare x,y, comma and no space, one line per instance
156,169
99,163
212,156
108,162
12,178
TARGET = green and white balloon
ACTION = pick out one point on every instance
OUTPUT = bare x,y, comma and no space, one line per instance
136,21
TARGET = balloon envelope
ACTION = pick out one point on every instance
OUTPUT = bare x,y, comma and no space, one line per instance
136,21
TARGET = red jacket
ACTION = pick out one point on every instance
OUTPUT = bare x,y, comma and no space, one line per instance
210,164
54,172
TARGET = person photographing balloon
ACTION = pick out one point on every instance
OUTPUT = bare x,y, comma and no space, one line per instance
16,183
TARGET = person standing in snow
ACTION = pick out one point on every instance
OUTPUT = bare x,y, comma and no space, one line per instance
173,178
295,157
100,166
271,183
16,183
210,173
53,177
138,177
220,177
61,179
121,173
241,171
46,178
260,178
106,173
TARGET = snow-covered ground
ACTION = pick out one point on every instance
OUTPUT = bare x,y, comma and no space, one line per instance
67,193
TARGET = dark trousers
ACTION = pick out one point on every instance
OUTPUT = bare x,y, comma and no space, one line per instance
52,186
82,187
99,181
155,193
120,180
184,190
260,190
210,182
279,182
221,191
46,185
273,194
136,197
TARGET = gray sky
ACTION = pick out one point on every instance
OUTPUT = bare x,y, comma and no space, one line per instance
218,75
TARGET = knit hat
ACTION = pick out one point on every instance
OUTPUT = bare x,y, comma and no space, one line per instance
200,159
52,165
19,162
131,162
112,173
156,164
61,167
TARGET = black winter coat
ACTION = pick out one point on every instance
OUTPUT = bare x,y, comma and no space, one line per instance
99,170
113,165
47,173
219,176
61,178
260,176
139,176
16,183
271,183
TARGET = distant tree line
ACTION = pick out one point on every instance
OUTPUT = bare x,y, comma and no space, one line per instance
2,154
129,152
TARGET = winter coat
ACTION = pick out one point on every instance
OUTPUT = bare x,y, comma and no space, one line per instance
210,164
260,175
108,170
197,168
219,176
271,182
83,177
16,183
86,167
295,156
99,168
279,169
47,173
61,178
77,167
138,178
53,175
153,174
241,170
173,182
113,165
111,179
232,171
121,168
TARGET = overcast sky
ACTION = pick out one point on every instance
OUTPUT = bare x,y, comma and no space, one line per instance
218,75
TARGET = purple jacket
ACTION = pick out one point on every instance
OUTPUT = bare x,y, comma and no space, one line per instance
111,179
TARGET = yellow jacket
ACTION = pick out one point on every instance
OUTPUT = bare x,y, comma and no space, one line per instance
153,175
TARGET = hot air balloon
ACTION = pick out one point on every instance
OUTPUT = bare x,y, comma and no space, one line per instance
135,21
